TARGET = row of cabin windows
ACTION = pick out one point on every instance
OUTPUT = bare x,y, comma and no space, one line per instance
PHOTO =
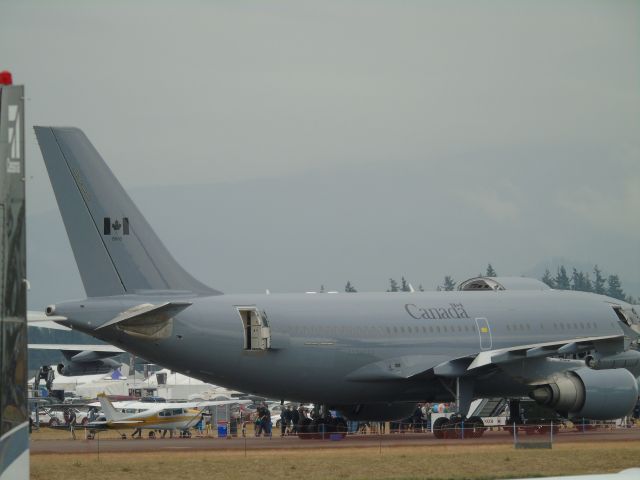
432,329
556,326
170,412
381,331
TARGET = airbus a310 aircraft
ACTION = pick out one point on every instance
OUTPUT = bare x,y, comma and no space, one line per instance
368,355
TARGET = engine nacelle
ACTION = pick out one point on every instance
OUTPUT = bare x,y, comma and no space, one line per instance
72,369
629,360
595,394
377,412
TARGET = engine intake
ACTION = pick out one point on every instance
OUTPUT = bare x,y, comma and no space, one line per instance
595,394
71,369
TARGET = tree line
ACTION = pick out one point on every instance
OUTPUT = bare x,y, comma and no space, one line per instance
600,283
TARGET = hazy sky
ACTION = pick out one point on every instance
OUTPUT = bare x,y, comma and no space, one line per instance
417,138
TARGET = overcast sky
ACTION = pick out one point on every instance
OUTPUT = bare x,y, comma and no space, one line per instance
406,138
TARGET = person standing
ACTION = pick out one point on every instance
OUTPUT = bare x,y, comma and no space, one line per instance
72,422
295,419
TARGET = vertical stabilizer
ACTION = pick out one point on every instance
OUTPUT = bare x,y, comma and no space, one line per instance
115,248
110,412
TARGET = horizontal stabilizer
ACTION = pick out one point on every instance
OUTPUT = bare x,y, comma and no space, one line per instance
147,314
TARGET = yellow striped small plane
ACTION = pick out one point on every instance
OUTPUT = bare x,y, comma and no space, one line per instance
155,416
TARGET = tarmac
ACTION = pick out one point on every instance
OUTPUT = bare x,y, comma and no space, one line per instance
251,443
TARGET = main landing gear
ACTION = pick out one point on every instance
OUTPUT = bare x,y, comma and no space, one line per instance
321,426
458,426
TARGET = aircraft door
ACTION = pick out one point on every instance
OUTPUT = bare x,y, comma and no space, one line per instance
484,333
257,334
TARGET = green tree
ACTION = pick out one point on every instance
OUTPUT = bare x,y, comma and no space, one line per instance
404,285
599,281
614,288
448,284
393,285
546,278
562,279
349,288
580,281
491,272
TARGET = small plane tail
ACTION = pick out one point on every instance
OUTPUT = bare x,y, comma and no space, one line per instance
116,250
110,412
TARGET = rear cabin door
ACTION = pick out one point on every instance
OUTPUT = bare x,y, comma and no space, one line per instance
255,327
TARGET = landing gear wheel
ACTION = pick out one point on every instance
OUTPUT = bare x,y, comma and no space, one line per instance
475,428
341,427
440,427
305,429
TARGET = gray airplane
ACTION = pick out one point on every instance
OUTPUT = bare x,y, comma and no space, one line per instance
368,355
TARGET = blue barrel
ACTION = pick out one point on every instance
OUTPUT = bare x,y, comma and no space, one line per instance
222,430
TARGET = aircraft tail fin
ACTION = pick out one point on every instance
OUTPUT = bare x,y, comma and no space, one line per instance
110,412
116,250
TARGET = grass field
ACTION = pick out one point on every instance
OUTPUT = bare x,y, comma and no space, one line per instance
429,462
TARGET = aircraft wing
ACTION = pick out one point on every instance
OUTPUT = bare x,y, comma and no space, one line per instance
214,403
69,347
410,366
611,343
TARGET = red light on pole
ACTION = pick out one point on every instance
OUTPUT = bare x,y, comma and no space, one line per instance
6,78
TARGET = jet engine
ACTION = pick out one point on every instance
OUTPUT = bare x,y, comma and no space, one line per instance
71,368
594,394
377,411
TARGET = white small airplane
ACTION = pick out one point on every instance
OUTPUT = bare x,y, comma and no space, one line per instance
155,416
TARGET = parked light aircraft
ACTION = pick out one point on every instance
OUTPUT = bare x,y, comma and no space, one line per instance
369,356
157,416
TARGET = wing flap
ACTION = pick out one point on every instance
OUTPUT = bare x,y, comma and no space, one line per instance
540,350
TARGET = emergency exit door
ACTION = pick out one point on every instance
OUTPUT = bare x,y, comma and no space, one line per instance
484,333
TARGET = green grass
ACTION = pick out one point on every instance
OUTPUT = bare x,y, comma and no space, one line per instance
429,462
